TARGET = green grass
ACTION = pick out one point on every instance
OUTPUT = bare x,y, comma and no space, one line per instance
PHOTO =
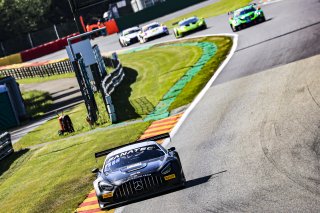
37,102
149,75
158,69
57,177
45,79
49,130
192,89
215,9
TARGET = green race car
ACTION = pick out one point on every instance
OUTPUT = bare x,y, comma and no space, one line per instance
188,25
245,16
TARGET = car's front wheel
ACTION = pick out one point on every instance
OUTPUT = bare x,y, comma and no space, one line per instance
204,26
233,28
120,43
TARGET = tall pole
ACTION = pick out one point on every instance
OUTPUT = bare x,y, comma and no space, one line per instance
76,15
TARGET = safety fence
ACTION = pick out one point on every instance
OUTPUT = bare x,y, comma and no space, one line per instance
5,145
109,83
37,69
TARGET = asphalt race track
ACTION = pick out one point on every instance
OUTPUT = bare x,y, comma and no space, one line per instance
252,143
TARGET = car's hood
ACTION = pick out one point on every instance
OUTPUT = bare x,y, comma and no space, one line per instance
156,29
133,171
131,35
245,15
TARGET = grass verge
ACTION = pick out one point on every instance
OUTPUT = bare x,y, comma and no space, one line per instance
58,174
57,177
49,130
192,89
215,9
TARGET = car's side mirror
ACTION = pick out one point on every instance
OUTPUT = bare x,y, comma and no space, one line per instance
172,149
95,170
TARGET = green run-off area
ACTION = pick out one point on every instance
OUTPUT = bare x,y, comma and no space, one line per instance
56,177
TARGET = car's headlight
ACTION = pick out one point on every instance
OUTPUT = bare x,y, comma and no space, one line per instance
166,169
104,186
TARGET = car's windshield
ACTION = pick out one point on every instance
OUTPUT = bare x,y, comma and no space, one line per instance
188,21
133,156
243,12
150,27
127,32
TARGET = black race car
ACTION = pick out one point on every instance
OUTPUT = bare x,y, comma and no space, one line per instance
136,171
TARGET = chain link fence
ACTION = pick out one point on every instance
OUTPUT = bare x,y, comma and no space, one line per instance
33,39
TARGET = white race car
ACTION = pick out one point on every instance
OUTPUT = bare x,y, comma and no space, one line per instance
152,30
129,36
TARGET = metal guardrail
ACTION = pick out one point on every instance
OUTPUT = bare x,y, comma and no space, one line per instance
109,83
5,145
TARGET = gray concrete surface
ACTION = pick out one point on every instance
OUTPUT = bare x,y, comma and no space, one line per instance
252,143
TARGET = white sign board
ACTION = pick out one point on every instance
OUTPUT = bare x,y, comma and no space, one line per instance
85,49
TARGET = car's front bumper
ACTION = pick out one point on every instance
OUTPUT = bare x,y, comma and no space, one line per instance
128,192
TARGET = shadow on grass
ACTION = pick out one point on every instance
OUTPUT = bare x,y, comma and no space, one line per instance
120,97
5,163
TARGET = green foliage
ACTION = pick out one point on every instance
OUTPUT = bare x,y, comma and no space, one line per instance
22,16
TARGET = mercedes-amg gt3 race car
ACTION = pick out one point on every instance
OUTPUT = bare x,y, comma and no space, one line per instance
129,36
189,25
245,16
136,171
151,31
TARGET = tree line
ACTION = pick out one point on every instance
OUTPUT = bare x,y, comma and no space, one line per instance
19,17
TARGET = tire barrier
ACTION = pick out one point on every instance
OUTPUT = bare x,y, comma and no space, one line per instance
37,69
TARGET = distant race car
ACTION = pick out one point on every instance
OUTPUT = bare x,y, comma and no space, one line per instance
152,30
245,16
188,25
136,171
129,36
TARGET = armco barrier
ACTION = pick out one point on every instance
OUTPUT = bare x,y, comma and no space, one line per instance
109,83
